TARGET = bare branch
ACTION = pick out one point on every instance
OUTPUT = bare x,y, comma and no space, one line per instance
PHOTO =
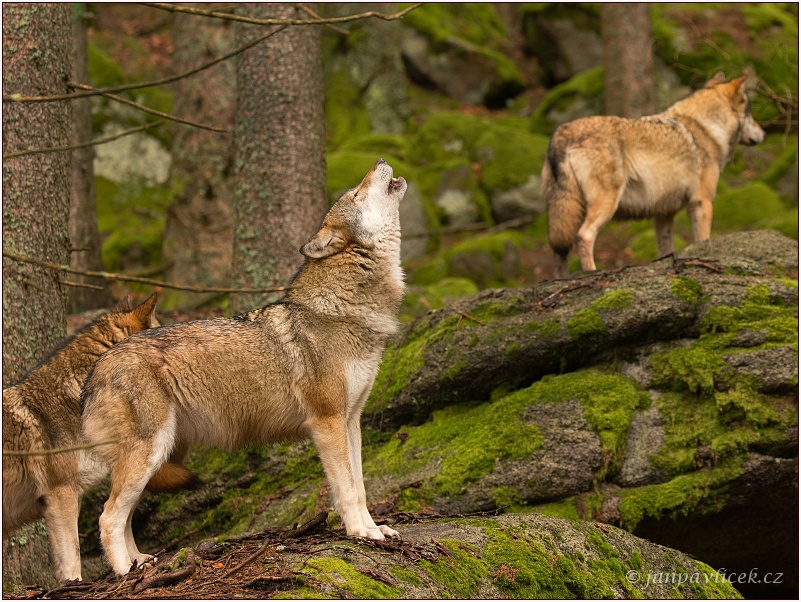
82,285
285,22
145,109
136,86
61,450
55,149
149,281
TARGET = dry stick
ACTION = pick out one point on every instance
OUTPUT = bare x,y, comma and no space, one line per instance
53,149
145,109
62,450
150,281
231,17
136,86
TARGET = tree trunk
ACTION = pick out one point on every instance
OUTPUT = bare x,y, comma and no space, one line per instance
84,234
280,144
36,201
197,237
628,59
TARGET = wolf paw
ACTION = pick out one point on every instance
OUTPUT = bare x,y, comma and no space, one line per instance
388,532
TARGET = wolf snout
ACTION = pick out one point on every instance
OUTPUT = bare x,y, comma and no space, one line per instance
397,184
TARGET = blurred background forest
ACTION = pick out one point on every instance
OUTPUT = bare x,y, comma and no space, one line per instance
458,98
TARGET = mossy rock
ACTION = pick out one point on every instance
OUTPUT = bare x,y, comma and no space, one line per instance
489,261
580,96
510,155
131,219
510,556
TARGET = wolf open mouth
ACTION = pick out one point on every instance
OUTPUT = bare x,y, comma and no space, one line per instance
395,184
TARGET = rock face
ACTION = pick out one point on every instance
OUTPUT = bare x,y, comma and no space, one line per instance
661,399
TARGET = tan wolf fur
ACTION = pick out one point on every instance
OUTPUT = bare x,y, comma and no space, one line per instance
600,168
42,412
299,368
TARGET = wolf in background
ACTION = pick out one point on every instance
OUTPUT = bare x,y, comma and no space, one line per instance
42,412
299,368
603,168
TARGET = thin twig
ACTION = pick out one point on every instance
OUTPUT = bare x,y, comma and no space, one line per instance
285,22
136,86
82,285
150,281
54,149
315,15
145,109
61,450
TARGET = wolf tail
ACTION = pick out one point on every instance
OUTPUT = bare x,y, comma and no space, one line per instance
171,477
564,201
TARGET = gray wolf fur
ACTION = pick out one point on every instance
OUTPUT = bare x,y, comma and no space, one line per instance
42,412
600,168
299,368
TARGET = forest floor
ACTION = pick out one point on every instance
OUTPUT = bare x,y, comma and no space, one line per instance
250,566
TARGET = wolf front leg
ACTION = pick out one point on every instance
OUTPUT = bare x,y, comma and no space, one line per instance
61,508
663,225
330,436
355,451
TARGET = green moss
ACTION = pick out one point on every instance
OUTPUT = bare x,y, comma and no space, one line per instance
613,300
522,569
565,508
506,497
609,402
465,442
698,493
586,323
690,369
761,310
746,208
547,329
344,576
588,84
401,362
635,561
511,155
687,289
401,573
460,574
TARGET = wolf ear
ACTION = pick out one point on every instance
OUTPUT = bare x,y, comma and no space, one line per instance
328,241
124,304
737,86
147,311
718,78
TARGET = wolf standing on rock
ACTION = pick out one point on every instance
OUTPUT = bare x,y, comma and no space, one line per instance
600,168
42,412
301,367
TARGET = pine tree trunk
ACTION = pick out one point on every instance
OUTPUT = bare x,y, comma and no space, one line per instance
628,59
84,233
197,237
280,152
36,201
